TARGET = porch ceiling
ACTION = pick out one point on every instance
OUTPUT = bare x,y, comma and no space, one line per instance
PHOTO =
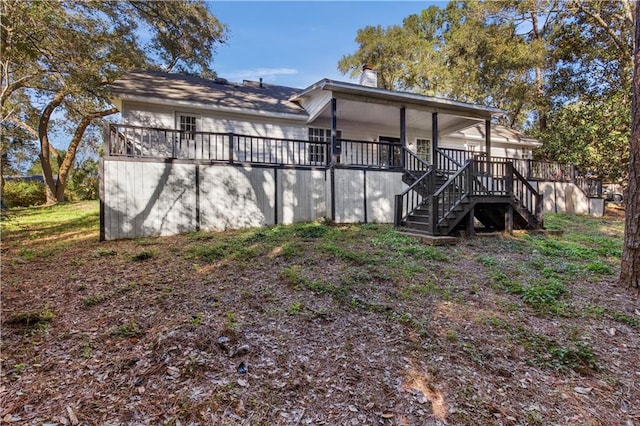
359,111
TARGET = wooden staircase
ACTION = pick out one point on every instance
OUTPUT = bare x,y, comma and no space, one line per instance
487,195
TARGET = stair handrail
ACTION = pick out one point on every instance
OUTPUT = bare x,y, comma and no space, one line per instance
527,196
458,185
411,198
418,163
449,160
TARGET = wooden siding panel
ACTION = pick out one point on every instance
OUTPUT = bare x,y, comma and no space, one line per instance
302,195
234,197
148,199
349,196
381,189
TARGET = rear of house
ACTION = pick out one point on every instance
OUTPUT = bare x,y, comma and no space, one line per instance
195,154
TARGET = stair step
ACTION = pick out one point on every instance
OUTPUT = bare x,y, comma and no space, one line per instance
419,218
417,225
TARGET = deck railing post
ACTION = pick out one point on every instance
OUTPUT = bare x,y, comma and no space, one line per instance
433,203
397,217
470,176
508,172
230,144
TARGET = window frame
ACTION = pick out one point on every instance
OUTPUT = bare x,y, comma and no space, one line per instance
425,156
317,152
186,133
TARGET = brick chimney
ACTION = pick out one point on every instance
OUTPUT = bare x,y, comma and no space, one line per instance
368,77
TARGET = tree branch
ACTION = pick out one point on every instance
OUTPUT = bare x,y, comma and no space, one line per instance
70,155
24,125
596,16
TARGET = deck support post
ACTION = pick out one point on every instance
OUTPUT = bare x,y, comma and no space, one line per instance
334,154
334,132
434,139
487,139
403,136
471,230
508,219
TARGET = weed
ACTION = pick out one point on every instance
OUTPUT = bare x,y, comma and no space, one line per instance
577,356
19,368
295,308
574,355
33,322
602,312
26,254
144,255
600,268
94,300
102,252
200,236
231,321
543,294
289,250
312,230
196,319
130,329
344,254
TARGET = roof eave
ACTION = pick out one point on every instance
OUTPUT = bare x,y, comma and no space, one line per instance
400,97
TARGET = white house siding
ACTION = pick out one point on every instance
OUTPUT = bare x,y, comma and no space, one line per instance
148,199
566,197
303,195
236,197
349,195
205,146
381,189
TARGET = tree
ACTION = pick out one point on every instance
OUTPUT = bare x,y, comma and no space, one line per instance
561,69
466,51
630,266
591,55
59,57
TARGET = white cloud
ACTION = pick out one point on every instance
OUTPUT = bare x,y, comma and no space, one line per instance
267,74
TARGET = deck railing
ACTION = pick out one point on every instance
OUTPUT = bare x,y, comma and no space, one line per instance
137,141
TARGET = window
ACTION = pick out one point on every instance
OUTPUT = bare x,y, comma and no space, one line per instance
423,149
317,152
187,126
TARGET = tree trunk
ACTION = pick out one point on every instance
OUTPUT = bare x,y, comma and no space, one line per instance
630,267
45,147
70,156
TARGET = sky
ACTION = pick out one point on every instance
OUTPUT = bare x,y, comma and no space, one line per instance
297,43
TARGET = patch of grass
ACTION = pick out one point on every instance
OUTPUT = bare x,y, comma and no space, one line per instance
103,252
231,321
26,254
94,300
128,330
573,355
295,308
603,312
345,254
144,255
75,220
599,268
543,294
34,321
196,319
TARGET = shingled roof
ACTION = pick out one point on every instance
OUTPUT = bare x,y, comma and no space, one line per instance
215,94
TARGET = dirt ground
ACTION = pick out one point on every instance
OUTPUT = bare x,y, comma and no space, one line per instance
330,325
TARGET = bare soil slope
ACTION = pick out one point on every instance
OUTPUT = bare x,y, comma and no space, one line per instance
316,324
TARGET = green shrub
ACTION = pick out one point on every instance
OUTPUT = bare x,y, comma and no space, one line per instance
22,193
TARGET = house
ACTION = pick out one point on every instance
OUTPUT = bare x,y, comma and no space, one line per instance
196,154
